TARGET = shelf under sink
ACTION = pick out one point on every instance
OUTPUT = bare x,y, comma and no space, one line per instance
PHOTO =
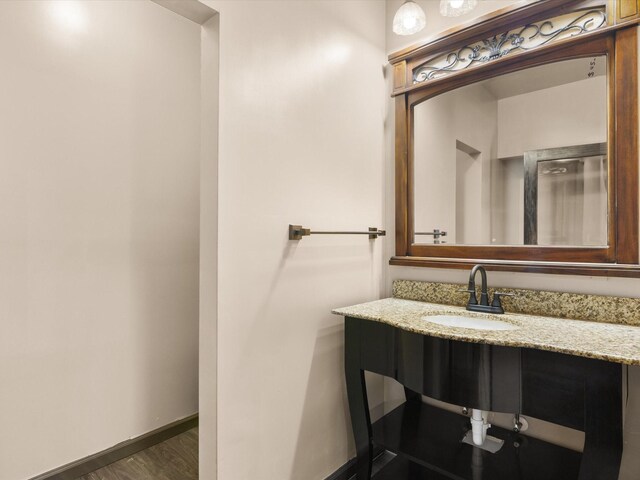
427,442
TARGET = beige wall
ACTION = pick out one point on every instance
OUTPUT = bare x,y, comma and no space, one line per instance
570,114
595,285
208,341
302,105
99,142
468,115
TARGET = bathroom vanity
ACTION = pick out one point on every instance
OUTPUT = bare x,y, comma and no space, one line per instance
567,372
516,146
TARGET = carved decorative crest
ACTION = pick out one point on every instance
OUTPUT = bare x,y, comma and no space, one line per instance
524,38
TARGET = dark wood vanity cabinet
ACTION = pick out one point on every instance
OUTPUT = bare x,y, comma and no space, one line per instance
576,392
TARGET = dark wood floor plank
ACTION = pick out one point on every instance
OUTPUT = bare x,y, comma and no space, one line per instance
105,473
131,468
90,476
174,465
192,435
173,459
186,447
160,470
191,441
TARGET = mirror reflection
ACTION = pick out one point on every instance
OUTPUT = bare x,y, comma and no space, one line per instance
519,159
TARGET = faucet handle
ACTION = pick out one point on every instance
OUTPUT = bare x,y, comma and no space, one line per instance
498,295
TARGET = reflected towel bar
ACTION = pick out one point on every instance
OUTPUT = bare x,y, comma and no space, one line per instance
436,233
296,232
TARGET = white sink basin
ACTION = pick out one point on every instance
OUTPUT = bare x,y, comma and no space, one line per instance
458,321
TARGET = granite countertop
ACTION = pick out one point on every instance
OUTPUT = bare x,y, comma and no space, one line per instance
603,341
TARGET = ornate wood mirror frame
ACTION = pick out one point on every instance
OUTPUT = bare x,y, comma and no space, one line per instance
495,45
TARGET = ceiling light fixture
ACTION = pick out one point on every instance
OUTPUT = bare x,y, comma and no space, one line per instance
409,19
455,8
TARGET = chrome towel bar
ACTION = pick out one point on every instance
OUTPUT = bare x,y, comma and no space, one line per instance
296,232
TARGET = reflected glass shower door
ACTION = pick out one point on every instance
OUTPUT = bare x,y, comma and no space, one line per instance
566,199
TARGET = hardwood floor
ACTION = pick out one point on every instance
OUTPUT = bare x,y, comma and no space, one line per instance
173,459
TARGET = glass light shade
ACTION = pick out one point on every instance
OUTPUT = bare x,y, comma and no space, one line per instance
455,8
409,19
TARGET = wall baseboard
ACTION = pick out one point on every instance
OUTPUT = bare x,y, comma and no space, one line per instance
345,472
348,471
81,467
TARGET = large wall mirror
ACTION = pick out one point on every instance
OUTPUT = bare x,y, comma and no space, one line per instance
521,158
518,159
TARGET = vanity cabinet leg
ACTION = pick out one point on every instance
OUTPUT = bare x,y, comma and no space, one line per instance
358,402
602,452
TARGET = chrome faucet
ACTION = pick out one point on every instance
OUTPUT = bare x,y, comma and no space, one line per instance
483,306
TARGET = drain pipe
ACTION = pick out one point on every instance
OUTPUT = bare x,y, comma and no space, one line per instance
479,426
